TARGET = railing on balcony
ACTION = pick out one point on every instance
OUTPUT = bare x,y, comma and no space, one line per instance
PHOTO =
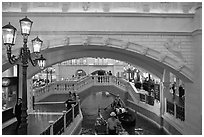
175,110
58,127
142,97
147,99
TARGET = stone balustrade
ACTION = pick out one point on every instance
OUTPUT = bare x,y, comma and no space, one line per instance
64,87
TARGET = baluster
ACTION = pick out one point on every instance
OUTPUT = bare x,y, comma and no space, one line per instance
64,115
51,127
174,109
73,111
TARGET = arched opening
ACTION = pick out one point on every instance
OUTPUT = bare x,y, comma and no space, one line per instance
80,73
78,51
99,72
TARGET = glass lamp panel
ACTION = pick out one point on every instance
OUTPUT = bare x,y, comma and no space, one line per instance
37,44
25,27
41,62
9,34
36,47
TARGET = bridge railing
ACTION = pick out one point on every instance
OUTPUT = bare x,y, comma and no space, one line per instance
61,87
59,126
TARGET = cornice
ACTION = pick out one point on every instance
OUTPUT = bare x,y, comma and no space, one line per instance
95,14
110,33
197,32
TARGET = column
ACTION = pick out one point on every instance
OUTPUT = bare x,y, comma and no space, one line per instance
30,95
177,85
193,90
164,90
20,80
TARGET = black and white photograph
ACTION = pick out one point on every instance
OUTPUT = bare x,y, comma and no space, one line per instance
101,67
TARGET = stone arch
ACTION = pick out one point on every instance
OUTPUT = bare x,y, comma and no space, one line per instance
76,47
99,72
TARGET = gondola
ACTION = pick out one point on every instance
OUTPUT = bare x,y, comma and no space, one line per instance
127,119
101,126
124,115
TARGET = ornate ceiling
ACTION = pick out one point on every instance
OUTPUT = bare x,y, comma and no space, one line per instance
102,7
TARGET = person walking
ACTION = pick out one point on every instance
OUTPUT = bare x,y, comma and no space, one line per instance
17,112
112,124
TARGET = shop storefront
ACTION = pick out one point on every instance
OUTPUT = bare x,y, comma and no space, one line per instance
9,95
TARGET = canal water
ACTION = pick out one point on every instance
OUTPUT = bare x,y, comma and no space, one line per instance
93,102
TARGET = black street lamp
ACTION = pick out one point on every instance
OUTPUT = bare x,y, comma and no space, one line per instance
9,35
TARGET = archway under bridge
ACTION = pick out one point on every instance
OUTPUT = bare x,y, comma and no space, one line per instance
151,60
109,88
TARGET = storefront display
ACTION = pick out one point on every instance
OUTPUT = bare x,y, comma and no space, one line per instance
9,92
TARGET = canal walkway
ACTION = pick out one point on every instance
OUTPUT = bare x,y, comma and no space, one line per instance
39,120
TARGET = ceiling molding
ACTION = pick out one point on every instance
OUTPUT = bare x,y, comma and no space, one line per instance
110,33
99,14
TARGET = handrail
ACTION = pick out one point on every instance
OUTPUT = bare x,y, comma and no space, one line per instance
58,126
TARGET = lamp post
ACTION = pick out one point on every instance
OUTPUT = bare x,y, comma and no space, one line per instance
9,35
